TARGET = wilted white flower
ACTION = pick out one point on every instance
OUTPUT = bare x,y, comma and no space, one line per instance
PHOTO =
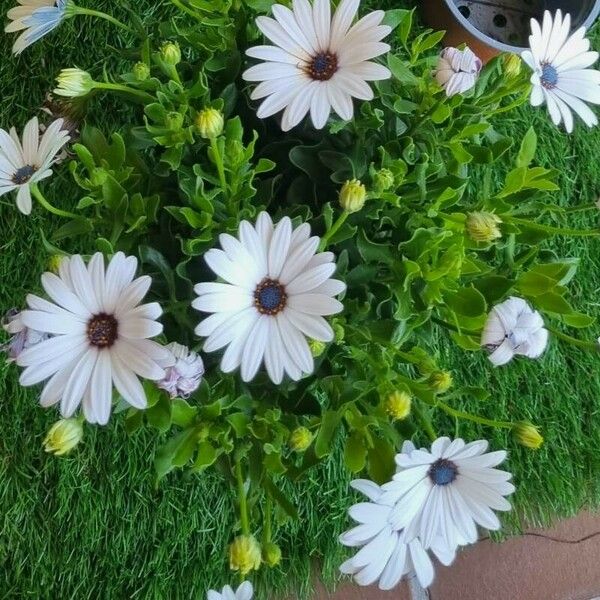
22,337
514,328
457,70
99,337
24,164
183,378
37,18
244,592
318,62
278,290
561,76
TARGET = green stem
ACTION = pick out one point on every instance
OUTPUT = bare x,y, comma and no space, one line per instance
582,208
219,163
118,87
96,13
551,229
425,421
267,530
469,417
574,341
52,209
243,501
334,229
185,9
456,329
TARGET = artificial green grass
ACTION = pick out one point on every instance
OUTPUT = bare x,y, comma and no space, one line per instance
93,525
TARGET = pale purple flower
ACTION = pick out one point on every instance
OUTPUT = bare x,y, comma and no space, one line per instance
183,378
22,338
457,70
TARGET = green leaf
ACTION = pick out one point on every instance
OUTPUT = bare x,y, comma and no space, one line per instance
381,464
329,424
553,302
207,455
467,302
528,148
159,415
280,498
493,287
175,450
182,414
578,320
355,452
401,72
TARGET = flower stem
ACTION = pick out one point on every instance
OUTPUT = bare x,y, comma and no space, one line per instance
334,229
52,209
219,163
574,341
186,9
456,329
243,501
79,10
425,422
267,529
469,417
118,87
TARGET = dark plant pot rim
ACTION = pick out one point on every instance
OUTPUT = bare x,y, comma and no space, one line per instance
486,39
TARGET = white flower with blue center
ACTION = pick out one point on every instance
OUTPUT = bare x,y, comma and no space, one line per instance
561,74
318,62
275,290
24,164
36,18
244,592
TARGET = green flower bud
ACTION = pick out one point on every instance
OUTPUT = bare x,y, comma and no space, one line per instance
339,332
54,263
170,53
174,121
440,381
209,123
483,226
511,64
63,436
245,554
383,180
271,554
352,196
141,71
300,439
397,405
316,347
74,83
528,435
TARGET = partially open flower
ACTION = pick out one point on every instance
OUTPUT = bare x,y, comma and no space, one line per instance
514,328
74,83
245,554
183,378
63,436
457,70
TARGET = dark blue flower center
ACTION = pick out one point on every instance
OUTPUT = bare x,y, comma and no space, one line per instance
23,175
549,76
443,472
323,66
270,297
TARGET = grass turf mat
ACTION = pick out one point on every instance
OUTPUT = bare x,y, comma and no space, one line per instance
94,526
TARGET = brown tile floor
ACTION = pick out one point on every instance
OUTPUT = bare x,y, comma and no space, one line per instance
561,563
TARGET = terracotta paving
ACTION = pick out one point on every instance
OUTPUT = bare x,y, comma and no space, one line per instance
561,563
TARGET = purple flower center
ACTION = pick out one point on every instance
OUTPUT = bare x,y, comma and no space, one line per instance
102,330
323,66
23,175
443,472
549,76
270,297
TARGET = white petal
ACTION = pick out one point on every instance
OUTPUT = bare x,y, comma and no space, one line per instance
139,328
53,323
313,326
77,383
278,249
101,388
315,304
254,348
295,344
127,384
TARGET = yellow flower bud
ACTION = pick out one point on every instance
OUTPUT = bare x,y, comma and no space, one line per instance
271,554
209,123
511,64
141,71
300,439
440,381
528,435
244,554
54,262
63,436
483,226
74,83
352,196
170,53
316,347
397,405
383,180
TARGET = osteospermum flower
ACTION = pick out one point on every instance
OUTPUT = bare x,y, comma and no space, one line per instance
37,18
513,328
22,337
561,77
276,294
386,555
457,70
99,337
25,164
318,63
183,378
244,592
440,496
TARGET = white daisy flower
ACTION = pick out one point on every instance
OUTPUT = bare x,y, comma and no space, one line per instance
457,70
277,291
99,337
183,378
440,496
244,592
514,328
385,555
561,77
317,62
37,18
24,164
